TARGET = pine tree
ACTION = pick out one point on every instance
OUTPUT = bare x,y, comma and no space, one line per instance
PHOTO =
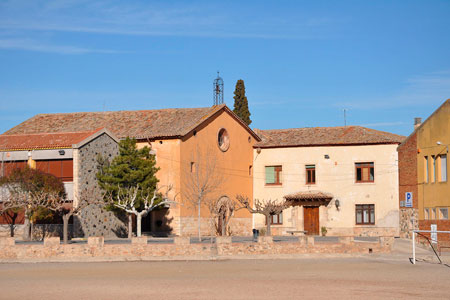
132,169
241,103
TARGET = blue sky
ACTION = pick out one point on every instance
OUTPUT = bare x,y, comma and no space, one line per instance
303,62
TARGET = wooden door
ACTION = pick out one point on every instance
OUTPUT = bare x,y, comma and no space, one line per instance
311,219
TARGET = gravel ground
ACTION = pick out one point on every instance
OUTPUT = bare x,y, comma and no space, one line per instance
307,278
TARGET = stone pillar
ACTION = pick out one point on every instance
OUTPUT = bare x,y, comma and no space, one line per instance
142,240
98,241
345,239
302,240
265,239
223,240
7,241
52,241
181,240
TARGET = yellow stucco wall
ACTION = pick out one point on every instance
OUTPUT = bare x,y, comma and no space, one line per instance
435,129
335,175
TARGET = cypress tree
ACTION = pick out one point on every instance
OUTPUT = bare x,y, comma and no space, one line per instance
241,103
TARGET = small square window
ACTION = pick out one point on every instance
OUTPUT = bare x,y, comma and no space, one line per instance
427,214
443,213
365,214
365,172
276,219
310,174
273,175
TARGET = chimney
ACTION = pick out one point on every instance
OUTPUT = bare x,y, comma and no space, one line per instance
417,122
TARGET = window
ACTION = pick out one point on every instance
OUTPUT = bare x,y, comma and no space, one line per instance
6,167
425,168
276,219
364,172
223,139
250,170
427,213
433,214
365,214
62,169
443,159
192,167
443,213
273,175
310,174
433,170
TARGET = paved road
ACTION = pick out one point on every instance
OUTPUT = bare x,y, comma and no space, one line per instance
307,278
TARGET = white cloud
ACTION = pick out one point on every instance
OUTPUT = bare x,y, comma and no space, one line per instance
150,19
30,45
427,90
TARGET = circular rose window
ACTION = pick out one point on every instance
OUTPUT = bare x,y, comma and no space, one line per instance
223,139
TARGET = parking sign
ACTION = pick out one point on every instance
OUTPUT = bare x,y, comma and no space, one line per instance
408,199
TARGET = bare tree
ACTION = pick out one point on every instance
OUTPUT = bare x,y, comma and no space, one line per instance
203,179
267,208
221,210
10,216
126,200
68,209
29,201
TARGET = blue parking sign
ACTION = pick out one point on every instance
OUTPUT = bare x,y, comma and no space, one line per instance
409,199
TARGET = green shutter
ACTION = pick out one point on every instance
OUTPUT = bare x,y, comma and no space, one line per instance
270,175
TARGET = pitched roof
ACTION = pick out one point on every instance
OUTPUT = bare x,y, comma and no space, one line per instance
325,136
309,195
172,122
43,140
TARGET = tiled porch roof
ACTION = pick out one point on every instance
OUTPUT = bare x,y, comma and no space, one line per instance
309,196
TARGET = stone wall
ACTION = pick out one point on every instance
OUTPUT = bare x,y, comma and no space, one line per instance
93,221
409,220
96,250
237,226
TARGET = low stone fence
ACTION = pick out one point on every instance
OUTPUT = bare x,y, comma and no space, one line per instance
139,249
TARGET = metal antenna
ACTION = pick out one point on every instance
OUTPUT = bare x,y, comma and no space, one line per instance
218,90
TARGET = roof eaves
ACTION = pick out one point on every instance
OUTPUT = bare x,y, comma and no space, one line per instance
322,145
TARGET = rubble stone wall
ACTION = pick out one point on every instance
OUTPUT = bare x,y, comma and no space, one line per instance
97,250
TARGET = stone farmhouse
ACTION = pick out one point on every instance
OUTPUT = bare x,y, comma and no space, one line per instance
342,180
67,144
423,175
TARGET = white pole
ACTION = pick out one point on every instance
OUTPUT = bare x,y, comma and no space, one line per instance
414,247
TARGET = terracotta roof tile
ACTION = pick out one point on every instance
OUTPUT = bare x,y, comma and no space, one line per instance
309,195
42,140
138,124
325,136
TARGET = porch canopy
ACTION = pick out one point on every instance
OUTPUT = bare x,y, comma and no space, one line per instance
309,198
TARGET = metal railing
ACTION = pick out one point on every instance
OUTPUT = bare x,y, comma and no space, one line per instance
420,232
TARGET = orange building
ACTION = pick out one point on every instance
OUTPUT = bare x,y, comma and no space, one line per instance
189,143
